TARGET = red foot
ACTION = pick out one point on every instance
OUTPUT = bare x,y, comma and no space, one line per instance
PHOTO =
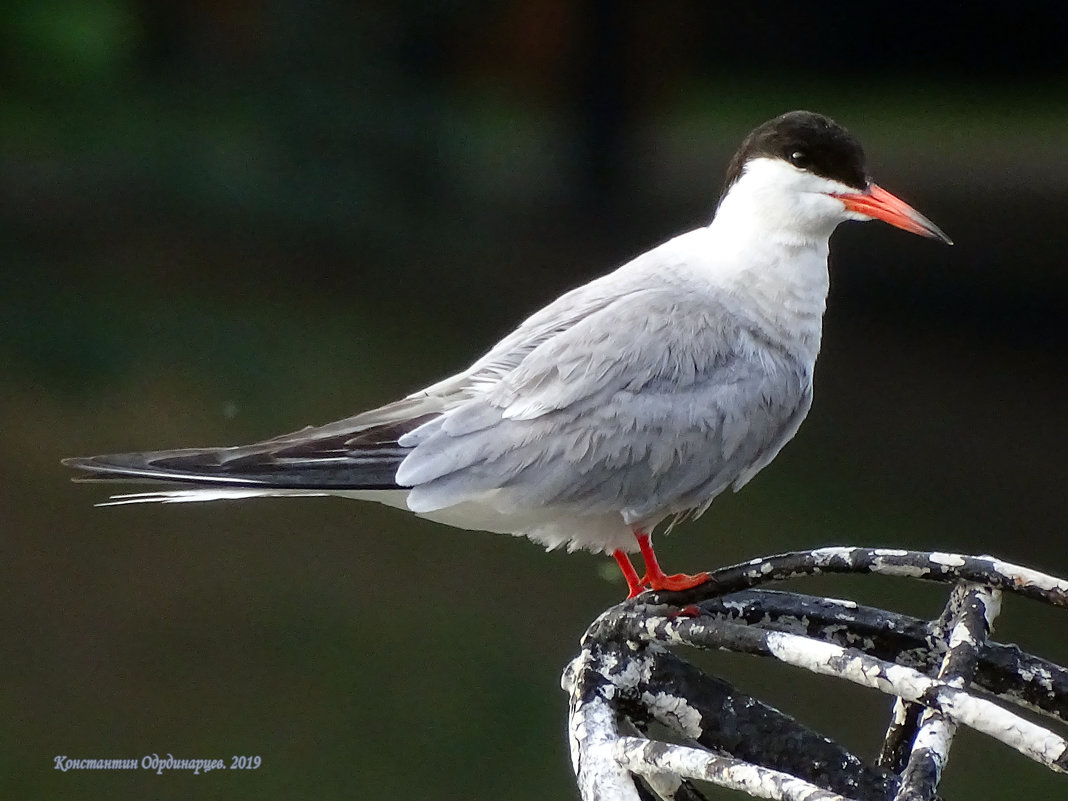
676,582
654,578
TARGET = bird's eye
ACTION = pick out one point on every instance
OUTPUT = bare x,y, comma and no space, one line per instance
799,159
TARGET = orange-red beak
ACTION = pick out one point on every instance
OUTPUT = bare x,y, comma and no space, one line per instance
879,204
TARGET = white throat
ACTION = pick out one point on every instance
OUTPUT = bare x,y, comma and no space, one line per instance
773,228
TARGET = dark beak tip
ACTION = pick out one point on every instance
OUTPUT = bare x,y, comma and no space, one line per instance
941,236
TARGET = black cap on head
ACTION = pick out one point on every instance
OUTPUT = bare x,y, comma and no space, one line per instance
810,142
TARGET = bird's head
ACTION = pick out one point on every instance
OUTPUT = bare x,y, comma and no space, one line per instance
805,172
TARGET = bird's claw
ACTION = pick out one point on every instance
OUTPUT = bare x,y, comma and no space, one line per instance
676,582
673,583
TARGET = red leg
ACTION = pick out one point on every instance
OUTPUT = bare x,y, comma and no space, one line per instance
655,576
634,584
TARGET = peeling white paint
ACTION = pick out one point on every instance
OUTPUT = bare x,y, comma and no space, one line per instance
1025,576
947,559
650,627
935,733
900,712
629,676
1028,738
961,636
884,568
1038,675
636,754
840,602
591,735
675,712
824,555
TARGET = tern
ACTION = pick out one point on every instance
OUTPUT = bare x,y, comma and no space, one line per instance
630,401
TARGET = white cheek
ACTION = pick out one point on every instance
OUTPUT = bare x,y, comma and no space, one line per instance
822,193
816,205
773,200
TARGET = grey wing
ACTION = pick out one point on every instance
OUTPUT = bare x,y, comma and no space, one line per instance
649,406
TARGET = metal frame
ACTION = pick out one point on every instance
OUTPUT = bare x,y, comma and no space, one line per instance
943,674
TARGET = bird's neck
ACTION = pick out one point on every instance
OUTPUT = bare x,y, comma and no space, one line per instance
776,268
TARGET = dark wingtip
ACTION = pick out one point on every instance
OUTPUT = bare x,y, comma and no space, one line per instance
89,469
108,466
92,464
82,463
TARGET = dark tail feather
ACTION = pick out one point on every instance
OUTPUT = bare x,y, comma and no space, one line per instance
205,467
306,460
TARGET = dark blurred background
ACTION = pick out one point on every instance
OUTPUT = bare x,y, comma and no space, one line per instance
226,220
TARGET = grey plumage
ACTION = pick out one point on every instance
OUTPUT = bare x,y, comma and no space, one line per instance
657,423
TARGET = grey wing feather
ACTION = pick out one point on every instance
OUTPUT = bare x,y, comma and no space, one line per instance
650,405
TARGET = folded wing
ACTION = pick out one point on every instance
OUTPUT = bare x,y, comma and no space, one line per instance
650,406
